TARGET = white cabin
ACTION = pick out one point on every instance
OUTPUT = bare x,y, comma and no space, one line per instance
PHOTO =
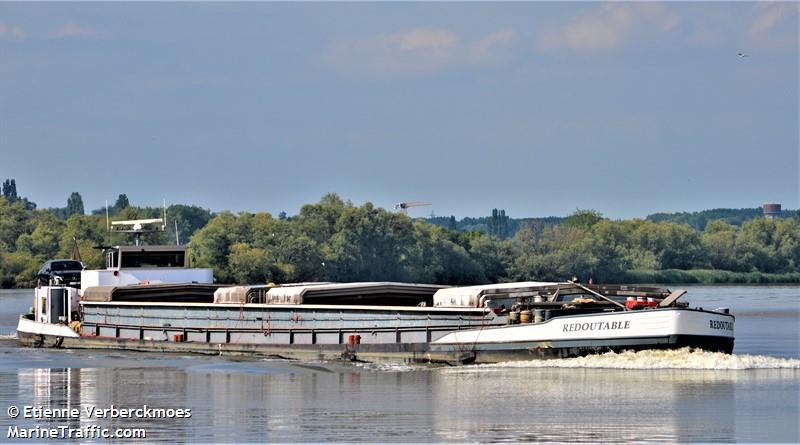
145,265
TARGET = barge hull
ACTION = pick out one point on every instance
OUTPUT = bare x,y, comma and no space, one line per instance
390,353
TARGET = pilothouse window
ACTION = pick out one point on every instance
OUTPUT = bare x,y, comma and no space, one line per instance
153,259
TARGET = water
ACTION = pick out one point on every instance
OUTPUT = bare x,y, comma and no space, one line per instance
751,396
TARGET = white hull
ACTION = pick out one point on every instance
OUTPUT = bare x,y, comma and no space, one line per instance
27,326
603,326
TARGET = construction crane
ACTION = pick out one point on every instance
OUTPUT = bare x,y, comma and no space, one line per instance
404,205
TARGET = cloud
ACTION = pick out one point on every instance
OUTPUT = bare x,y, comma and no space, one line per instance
774,24
414,52
489,44
70,30
607,27
410,52
422,39
9,32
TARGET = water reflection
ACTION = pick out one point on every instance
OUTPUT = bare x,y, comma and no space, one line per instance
48,388
585,405
285,402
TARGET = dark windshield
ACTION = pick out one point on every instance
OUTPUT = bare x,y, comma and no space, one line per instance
153,259
65,265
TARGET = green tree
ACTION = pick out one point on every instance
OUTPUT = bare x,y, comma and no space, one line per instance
90,233
677,246
18,269
498,223
75,205
583,219
318,221
250,265
300,259
10,190
189,218
211,245
15,220
46,236
451,223
755,246
719,244
370,244
787,244
554,254
434,258
603,254
494,256
122,203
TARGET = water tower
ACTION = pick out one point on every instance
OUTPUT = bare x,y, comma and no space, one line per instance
772,210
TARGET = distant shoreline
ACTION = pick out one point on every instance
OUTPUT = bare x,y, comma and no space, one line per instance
709,276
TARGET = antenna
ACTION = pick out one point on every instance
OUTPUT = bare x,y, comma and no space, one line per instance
137,227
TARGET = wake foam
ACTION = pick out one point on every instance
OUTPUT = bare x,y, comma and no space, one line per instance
659,359
389,367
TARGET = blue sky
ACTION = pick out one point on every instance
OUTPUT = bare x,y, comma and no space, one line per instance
538,108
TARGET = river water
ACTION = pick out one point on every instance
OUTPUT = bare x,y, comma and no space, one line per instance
751,396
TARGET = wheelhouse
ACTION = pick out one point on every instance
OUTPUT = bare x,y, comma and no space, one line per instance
125,257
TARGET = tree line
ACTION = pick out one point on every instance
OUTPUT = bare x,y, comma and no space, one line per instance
699,220
499,224
335,240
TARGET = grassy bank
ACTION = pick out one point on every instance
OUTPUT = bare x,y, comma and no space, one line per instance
709,276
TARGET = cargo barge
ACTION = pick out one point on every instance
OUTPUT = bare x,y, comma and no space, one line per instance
147,299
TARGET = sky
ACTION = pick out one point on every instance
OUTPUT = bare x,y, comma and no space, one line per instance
536,108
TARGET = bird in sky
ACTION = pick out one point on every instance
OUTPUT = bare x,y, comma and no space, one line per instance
742,55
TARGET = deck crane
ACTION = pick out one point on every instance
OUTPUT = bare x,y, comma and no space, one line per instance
404,205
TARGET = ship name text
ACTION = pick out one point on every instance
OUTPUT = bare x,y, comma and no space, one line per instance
597,326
